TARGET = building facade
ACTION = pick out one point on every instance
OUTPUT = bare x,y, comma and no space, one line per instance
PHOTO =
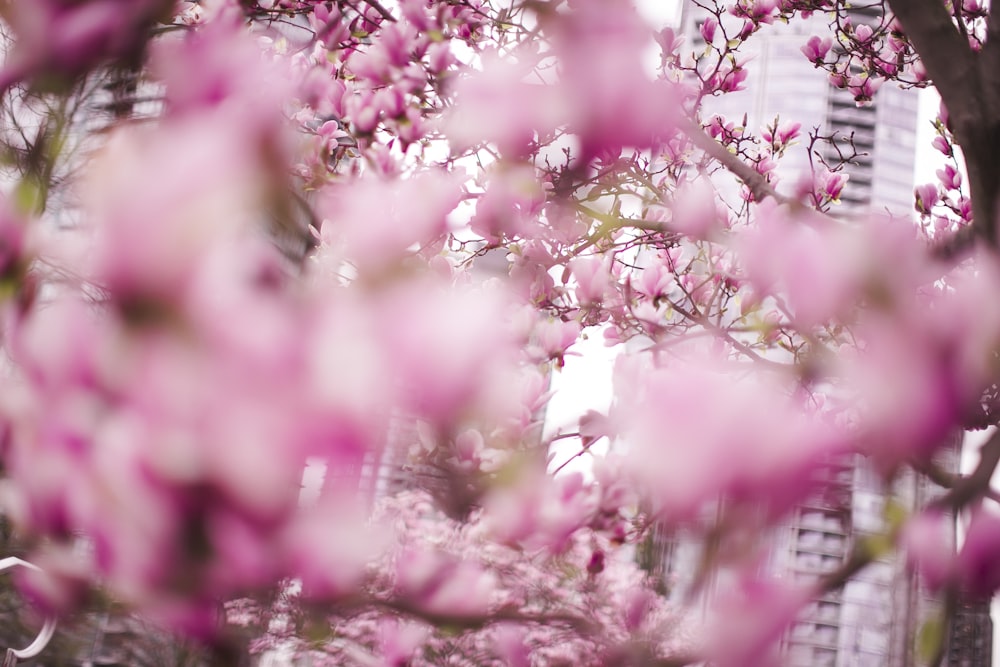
782,83
875,620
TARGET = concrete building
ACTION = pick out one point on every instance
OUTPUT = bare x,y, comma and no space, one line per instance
875,619
781,82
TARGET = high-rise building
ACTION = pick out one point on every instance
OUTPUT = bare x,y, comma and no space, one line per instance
782,82
876,617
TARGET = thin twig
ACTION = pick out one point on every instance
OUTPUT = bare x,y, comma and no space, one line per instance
377,6
759,187
976,485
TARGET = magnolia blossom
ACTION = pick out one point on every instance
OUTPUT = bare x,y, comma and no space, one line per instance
60,39
687,452
927,539
749,619
357,243
373,243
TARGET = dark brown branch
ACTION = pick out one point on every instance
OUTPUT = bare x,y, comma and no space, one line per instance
969,84
936,474
945,54
383,12
619,221
859,559
755,181
976,485
676,661
722,333
477,621
990,53
955,246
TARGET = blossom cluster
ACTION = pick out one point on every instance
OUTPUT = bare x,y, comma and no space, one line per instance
364,238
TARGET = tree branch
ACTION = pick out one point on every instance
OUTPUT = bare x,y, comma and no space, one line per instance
945,54
619,221
969,84
955,246
989,56
755,182
377,6
474,621
976,485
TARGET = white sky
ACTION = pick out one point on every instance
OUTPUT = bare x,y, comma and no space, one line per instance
583,384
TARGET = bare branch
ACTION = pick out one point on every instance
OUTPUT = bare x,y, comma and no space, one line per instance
755,182
945,54
955,246
383,12
976,485
476,621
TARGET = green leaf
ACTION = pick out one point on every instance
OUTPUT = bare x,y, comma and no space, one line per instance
895,514
876,546
317,631
27,196
929,638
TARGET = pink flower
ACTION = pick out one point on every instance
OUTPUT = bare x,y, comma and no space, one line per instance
863,87
731,77
329,547
220,68
696,433
863,33
440,584
783,134
694,210
719,128
707,28
390,102
362,111
555,337
927,539
949,177
908,393
757,11
977,564
610,101
375,223
816,48
510,206
400,640
942,145
832,184
65,39
159,219
410,127
440,57
668,40
14,245
539,512
450,357
503,106
965,208
925,197
654,281
887,61
751,616
592,278
765,166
